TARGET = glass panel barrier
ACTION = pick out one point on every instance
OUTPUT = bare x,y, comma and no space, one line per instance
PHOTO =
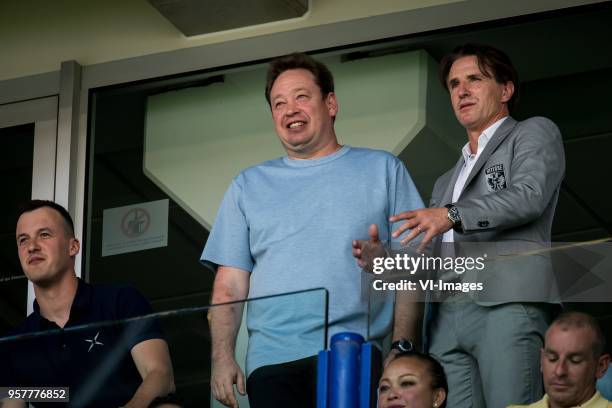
94,362
576,274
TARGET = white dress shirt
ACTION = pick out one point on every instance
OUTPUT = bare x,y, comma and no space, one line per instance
469,160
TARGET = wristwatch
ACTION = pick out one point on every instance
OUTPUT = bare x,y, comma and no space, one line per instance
402,345
454,217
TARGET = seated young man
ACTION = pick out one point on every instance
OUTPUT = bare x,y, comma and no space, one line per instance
125,364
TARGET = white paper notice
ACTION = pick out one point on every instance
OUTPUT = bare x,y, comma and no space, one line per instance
135,227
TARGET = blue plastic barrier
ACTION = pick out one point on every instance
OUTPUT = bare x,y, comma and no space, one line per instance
347,373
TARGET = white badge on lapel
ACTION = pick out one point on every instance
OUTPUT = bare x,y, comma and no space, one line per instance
496,178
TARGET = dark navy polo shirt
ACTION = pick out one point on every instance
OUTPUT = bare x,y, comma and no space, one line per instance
95,362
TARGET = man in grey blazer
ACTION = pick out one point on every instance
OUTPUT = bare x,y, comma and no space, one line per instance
501,194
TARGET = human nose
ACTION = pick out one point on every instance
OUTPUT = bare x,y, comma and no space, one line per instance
463,90
560,368
392,394
291,108
32,245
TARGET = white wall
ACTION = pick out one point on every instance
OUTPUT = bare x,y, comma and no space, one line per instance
37,35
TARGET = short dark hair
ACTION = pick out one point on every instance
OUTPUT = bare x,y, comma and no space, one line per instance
491,61
298,60
434,368
575,319
36,204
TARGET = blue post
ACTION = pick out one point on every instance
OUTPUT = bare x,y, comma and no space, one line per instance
322,379
347,373
345,370
368,374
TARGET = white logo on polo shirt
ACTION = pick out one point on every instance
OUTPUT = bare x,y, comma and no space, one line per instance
94,342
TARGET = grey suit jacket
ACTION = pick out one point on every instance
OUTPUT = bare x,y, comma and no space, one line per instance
507,208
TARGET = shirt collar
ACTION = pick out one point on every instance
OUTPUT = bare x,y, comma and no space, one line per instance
483,139
592,402
81,303
82,299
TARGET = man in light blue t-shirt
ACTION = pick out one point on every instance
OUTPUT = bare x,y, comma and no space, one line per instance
287,225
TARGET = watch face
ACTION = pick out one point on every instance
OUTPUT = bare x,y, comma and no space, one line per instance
403,345
453,214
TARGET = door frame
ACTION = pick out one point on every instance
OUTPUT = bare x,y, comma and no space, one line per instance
43,113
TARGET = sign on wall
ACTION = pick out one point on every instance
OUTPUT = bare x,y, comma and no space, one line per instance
135,227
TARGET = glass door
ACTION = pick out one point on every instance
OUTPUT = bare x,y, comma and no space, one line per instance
28,136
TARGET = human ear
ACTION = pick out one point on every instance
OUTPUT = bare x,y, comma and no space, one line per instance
602,365
332,104
507,91
439,397
75,246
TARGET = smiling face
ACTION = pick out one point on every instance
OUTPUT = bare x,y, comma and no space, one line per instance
302,116
478,99
569,365
46,248
406,382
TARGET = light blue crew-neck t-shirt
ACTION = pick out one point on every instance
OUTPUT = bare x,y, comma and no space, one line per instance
290,223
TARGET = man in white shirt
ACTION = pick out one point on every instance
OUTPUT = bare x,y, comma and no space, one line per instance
501,194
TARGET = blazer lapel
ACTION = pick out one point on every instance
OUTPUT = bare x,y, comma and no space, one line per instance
499,135
447,197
